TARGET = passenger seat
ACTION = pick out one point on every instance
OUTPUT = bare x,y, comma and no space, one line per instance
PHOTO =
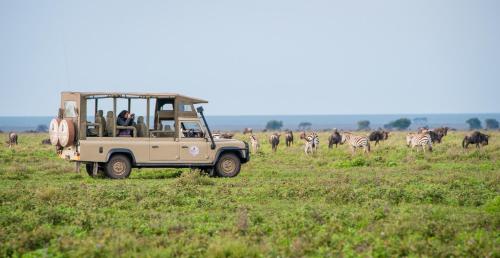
109,125
142,129
99,119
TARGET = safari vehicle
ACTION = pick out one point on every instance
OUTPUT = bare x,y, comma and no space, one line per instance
172,134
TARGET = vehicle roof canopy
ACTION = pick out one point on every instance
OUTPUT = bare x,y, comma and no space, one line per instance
133,95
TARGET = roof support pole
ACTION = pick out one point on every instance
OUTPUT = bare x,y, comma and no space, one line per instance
114,117
147,112
95,108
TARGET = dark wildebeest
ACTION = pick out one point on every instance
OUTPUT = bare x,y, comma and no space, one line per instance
247,130
302,135
477,138
334,138
274,140
442,130
435,136
289,138
378,135
46,142
12,139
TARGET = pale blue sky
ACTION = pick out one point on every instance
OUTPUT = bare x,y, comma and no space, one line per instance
256,57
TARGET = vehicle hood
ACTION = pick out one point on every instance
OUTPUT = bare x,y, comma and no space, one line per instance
230,142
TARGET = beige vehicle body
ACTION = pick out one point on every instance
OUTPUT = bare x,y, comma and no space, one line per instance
172,133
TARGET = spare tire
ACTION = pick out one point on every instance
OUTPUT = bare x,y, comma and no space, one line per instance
54,131
66,133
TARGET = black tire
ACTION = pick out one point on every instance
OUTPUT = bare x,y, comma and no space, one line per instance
118,167
228,165
90,168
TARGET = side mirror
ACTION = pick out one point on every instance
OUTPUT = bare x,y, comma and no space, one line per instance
199,109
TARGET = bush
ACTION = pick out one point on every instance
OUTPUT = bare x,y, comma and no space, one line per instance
400,124
274,125
474,123
491,123
363,125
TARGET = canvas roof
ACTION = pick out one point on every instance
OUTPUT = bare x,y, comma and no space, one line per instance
136,95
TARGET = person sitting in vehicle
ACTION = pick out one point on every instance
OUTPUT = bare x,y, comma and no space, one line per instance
125,118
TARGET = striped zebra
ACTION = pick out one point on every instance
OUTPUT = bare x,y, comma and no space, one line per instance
355,141
312,143
255,143
419,139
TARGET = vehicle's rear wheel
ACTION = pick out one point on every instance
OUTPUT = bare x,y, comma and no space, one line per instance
118,167
228,165
90,169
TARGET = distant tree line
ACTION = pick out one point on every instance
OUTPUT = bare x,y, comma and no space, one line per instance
475,123
399,124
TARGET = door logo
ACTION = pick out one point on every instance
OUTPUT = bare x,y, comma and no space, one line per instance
194,150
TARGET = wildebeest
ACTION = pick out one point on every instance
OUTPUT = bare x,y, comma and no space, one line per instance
46,141
247,130
289,138
334,138
379,135
442,130
274,140
255,143
302,135
12,140
435,136
477,138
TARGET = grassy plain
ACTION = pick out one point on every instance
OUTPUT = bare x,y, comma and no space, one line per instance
392,202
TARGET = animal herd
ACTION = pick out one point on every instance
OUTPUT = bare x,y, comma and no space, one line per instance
424,138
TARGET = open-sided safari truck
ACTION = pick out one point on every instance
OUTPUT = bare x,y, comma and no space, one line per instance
170,135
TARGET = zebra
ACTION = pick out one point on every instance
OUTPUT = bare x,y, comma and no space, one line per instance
419,139
312,143
355,141
289,138
274,140
255,143
409,136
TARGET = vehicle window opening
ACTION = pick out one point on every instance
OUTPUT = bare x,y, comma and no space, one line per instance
191,129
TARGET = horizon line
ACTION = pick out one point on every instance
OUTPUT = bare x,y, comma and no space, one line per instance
359,114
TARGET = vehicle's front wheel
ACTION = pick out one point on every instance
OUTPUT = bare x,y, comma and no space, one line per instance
118,167
90,169
228,165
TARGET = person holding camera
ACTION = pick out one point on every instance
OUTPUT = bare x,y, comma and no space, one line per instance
125,118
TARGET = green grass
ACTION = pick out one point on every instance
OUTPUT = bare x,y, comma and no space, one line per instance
392,202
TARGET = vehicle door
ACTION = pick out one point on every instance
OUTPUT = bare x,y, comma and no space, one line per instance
192,141
163,146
